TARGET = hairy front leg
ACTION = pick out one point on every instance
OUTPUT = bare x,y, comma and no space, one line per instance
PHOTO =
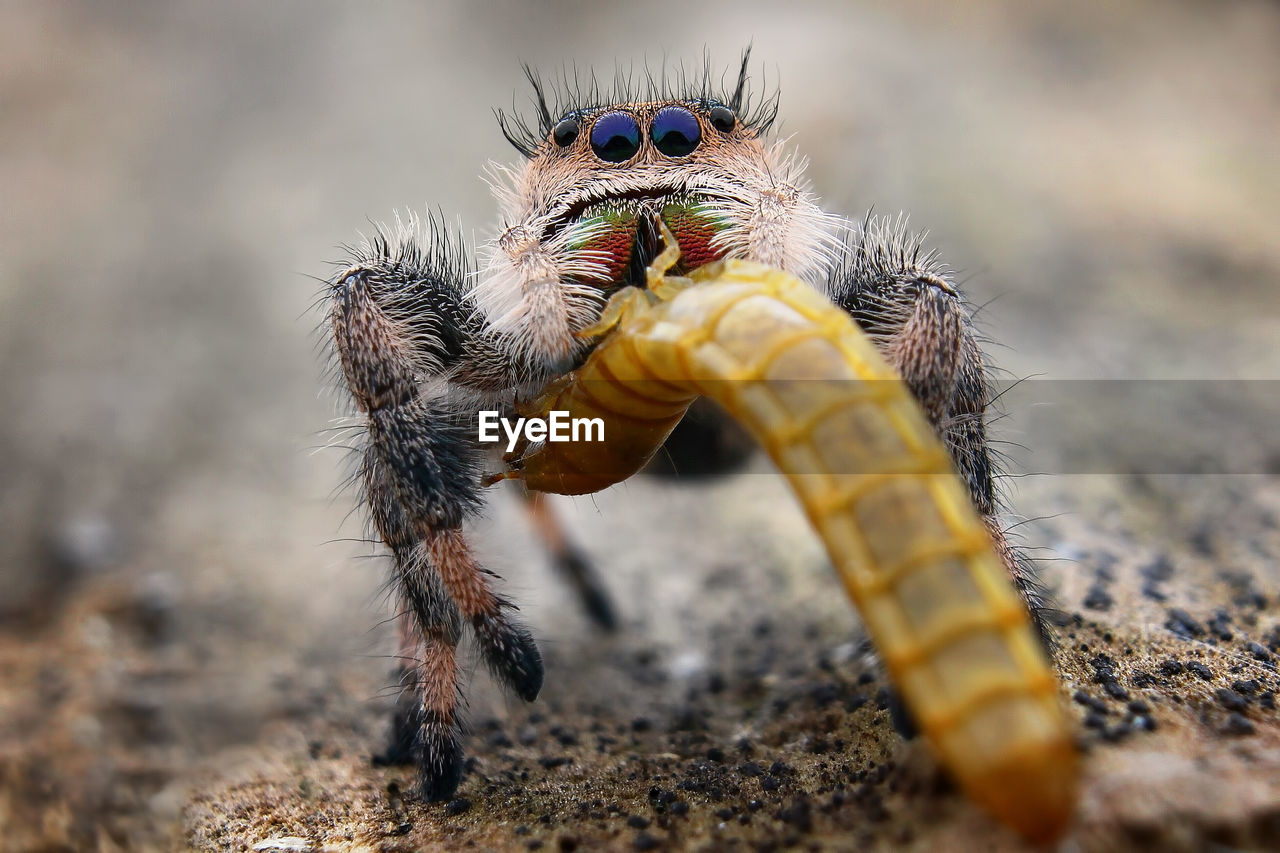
426,726
903,298
422,479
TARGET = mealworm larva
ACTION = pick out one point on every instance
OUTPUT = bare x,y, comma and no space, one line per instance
874,480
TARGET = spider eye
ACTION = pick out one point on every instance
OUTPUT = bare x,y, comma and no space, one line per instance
615,137
565,131
723,119
675,131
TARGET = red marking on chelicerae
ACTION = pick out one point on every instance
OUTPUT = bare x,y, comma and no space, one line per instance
694,233
615,246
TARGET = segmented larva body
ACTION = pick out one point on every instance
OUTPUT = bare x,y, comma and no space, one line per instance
876,483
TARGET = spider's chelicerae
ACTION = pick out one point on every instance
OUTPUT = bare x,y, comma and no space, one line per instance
425,338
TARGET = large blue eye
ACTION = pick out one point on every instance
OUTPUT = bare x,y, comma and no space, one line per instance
675,131
615,137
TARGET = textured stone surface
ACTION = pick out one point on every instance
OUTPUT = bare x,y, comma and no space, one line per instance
193,653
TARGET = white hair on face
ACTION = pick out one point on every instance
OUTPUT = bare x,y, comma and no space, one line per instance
538,294
505,186
773,218
538,286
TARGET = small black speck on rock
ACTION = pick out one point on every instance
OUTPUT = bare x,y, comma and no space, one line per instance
679,808
646,841
1090,702
798,814
1238,725
1181,623
568,843
855,702
770,783
1231,700
824,694
715,754
567,737
1117,733
1201,540
1115,690
1219,625
457,806
553,761
1098,598
661,799
751,769
1104,669
1153,591
1159,569
1142,680
1258,651
1200,670
1170,668
1246,688
1138,707
1155,573
638,822
641,724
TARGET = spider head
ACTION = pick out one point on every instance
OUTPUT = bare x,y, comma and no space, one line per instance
604,174
580,213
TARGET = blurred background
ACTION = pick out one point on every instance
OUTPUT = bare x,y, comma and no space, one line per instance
179,571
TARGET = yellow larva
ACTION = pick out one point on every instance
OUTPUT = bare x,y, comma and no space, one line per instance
875,482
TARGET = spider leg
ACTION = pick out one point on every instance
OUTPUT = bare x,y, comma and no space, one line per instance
426,728
407,718
569,560
902,298
398,326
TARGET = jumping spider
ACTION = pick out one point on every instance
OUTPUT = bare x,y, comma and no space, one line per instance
424,339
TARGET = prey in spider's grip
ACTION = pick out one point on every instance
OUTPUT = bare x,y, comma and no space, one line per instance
876,483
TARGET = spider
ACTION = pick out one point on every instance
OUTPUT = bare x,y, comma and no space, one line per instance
424,337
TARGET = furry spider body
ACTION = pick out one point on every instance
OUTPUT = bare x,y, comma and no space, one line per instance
424,340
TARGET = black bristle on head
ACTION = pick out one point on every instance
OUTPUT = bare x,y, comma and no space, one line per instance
573,94
414,248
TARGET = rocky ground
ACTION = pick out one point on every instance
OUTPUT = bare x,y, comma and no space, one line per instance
193,645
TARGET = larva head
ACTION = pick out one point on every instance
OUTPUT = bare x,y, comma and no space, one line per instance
579,214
